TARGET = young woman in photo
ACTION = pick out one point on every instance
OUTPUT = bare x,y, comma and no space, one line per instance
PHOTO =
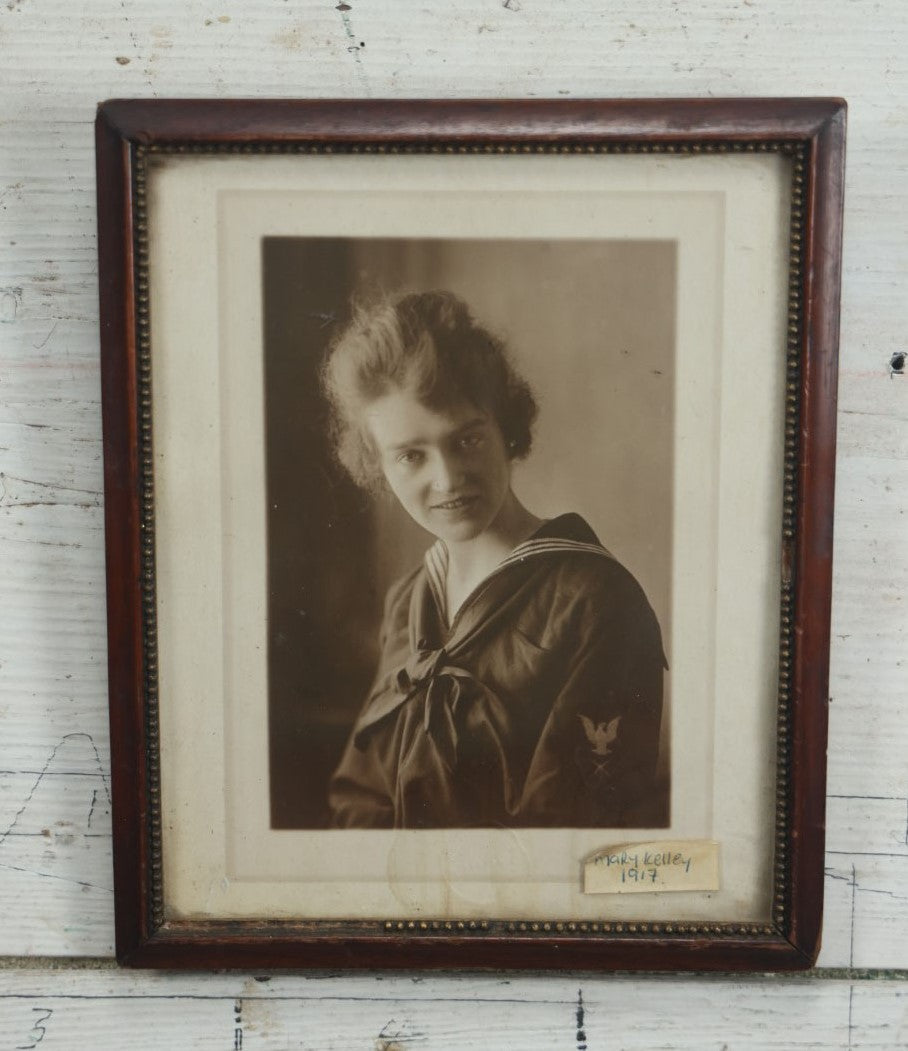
520,676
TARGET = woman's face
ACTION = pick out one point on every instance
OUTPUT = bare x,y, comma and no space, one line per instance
449,467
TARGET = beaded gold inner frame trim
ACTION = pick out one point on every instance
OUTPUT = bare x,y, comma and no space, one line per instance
799,153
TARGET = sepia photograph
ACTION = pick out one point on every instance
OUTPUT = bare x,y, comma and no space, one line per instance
469,478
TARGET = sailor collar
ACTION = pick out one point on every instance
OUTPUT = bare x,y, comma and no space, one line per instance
432,666
540,543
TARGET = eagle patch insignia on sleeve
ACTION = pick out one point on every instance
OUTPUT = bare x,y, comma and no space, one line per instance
600,735
593,757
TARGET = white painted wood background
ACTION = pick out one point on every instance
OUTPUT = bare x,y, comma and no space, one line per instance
58,58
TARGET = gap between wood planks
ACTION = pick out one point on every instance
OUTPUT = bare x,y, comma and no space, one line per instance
105,963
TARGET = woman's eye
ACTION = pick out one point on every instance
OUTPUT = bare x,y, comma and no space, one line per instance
472,441
410,457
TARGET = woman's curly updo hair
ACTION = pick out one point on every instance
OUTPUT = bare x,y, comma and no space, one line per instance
430,343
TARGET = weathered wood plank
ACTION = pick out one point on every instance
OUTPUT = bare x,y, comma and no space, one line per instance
862,824
326,1012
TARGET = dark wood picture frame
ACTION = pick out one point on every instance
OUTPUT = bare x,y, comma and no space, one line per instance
812,132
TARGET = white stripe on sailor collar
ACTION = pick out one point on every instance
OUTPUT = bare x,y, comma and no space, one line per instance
436,561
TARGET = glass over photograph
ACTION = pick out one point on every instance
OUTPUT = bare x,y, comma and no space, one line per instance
463,584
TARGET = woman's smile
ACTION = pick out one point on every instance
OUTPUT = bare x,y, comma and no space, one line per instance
456,504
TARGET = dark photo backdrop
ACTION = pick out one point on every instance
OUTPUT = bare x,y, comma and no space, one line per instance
591,325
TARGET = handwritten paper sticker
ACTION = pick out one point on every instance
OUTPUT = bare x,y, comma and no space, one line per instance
663,865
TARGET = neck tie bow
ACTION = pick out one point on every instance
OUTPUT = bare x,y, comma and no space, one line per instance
445,686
